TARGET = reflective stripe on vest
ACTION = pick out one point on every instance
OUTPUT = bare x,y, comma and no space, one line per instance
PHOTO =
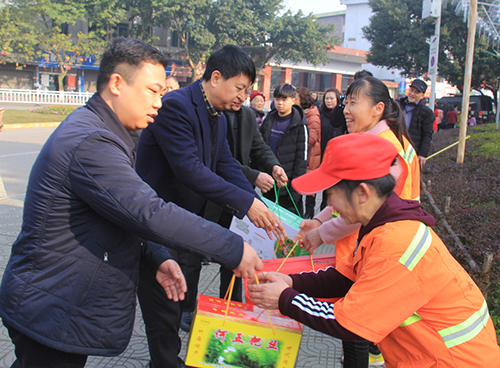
409,155
410,320
466,330
417,247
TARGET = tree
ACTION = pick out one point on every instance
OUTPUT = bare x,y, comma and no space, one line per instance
206,25
103,16
189,21
400,39
39,28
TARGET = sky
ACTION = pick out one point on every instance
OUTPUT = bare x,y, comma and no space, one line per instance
313,6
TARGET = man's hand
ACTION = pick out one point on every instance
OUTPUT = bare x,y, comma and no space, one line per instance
308,236
262,217
422,160
250,262
280,176
170,277
267,294
264,182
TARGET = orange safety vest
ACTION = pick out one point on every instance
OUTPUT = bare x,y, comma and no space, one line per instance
407,187
412,298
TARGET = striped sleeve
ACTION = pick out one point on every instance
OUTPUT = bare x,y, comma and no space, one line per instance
313,313
328,283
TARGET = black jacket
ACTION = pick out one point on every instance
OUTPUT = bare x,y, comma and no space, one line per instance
251,146
292,148
422,121
332,125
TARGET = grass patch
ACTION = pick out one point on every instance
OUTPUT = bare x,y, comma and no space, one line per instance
26,116
487,141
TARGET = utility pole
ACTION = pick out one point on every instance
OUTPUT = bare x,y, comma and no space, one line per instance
467,80
432,8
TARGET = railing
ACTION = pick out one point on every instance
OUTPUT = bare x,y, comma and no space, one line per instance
43,97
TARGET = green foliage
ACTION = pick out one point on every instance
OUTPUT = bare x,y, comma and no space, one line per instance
206,25
487,139
398,36
55,110
400,39
27,117
33,28
240,355
37,28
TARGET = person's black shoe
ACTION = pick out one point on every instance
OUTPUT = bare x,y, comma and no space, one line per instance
186,320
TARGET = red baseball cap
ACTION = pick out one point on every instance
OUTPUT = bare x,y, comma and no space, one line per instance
355,156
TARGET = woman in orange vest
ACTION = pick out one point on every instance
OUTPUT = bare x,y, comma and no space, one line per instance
400,288
368,108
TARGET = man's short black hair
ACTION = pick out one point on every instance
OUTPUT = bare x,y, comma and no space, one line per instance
124,56
285,90
230,61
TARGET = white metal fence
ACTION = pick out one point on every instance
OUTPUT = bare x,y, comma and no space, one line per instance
43,97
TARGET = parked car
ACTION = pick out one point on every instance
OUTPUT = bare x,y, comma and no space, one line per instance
481,105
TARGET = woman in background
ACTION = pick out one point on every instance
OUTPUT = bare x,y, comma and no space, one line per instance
257,103
305,100
332,122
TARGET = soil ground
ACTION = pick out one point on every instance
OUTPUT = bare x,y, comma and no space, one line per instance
474,211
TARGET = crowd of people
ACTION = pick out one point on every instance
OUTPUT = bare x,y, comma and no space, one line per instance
111,214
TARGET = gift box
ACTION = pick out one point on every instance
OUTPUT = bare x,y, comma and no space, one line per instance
297,265
244,339
259,239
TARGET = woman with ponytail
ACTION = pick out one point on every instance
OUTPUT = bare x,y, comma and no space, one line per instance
368,108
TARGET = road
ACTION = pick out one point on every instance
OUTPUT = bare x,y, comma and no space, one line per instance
18,151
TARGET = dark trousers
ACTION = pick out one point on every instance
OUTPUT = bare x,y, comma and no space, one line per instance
31,354
310,204
324,201
162,318
225,279
191,267
356,353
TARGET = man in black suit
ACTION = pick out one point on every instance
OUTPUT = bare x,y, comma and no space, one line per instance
246,144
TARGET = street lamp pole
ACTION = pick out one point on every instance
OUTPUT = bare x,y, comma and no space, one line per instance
432,8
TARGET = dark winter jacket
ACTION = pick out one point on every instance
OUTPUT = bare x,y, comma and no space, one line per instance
247,145
71,279
332,125
421,126
292,149
259,116
251,146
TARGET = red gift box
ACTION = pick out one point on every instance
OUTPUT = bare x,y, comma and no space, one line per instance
297,265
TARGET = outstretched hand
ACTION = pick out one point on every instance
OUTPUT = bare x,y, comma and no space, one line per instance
170,277
267,294
250,262
308,236
263,218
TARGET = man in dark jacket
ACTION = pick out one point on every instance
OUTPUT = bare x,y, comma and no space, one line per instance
285,130
246,145
419,119
68,290
186,158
